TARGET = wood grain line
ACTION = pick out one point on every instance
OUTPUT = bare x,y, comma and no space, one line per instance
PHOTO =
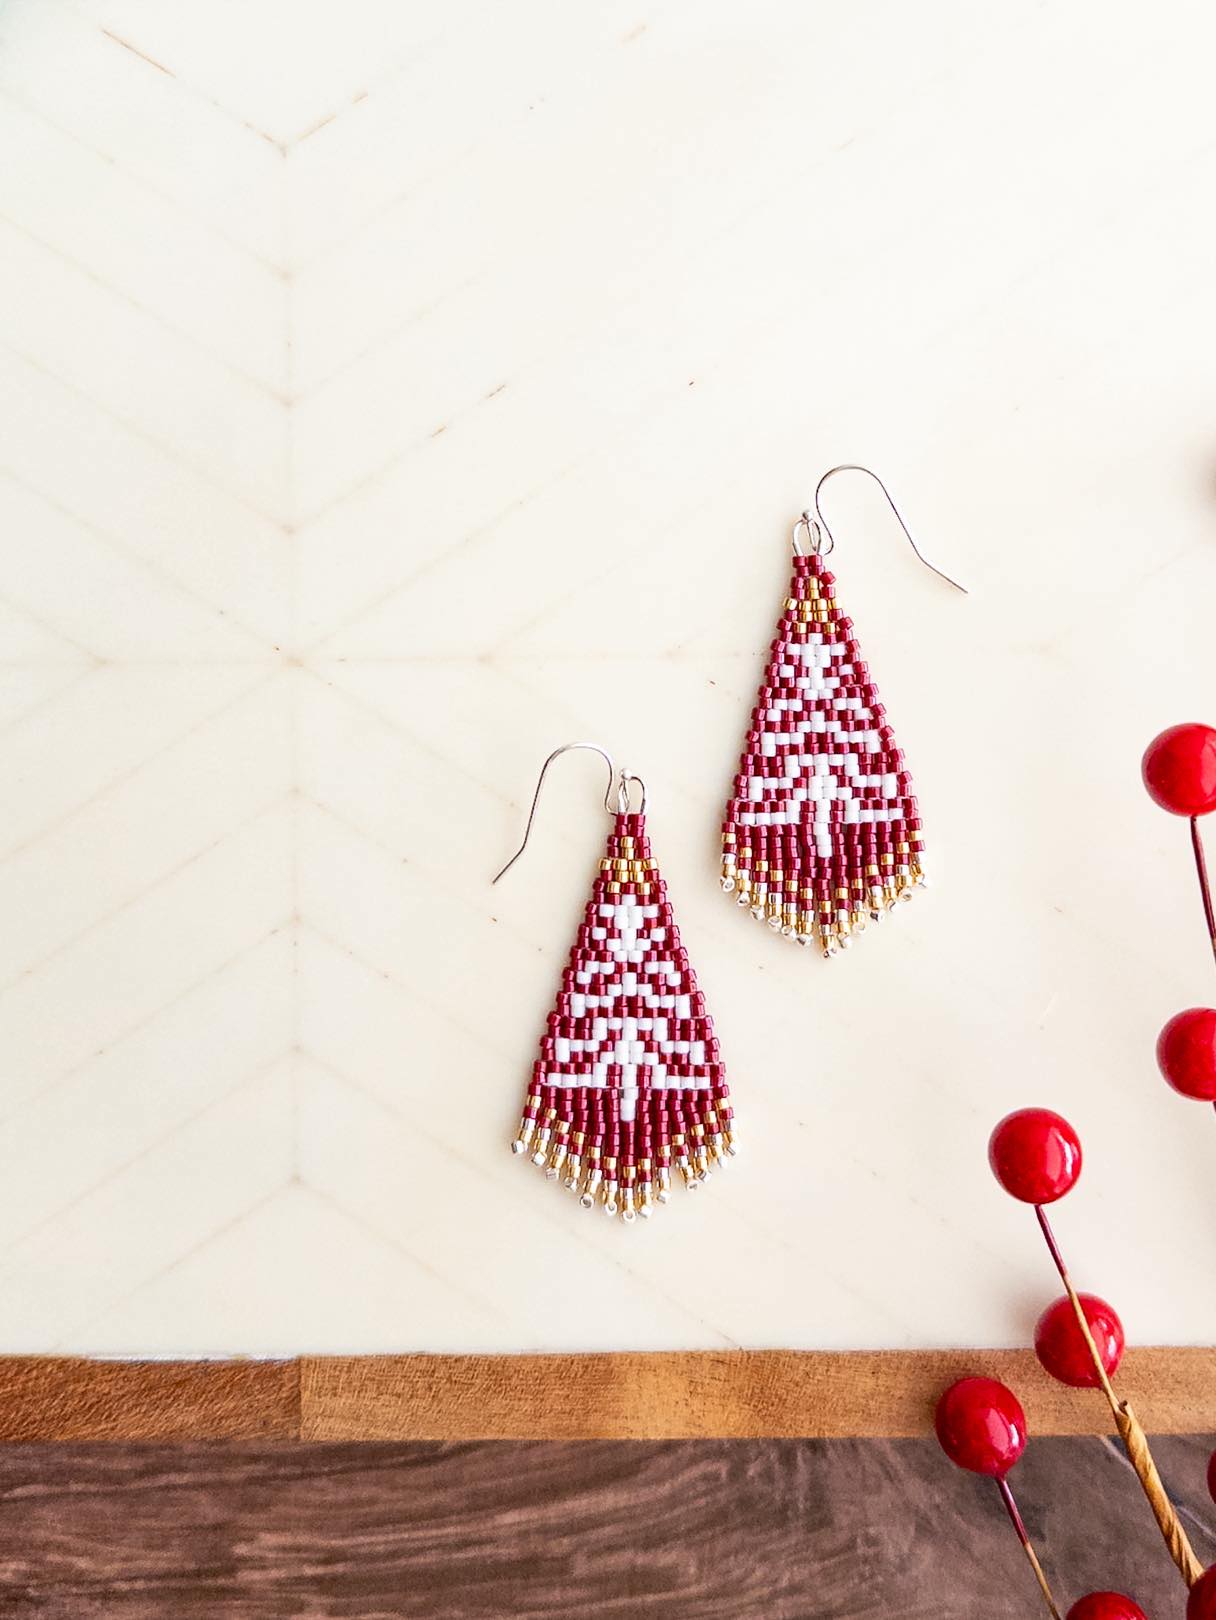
62,1398
722,1394
538,1530
687,1395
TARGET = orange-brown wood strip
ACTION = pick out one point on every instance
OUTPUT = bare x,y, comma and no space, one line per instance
721,1394
687,1395
65,1398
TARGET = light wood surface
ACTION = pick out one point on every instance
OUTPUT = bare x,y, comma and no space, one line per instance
386,402
636,1396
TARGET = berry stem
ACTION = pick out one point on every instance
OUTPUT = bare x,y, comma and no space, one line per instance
1205,892
1015,1519
1078,1310
1127,1424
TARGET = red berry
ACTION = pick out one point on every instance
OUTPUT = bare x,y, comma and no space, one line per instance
1035,1155
1186,1053
1212,1476
1179,770
981,1426
1106,1606
1060,1345
1201,1605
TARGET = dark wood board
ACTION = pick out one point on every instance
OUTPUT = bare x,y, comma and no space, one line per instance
707,1530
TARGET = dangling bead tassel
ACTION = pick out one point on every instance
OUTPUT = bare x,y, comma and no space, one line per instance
629,1082
822,831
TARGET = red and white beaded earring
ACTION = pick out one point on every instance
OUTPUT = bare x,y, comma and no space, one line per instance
628,1084
822,830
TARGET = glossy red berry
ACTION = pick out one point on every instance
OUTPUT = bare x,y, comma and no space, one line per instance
1106,1606
1179,770
981,1426
1186,1053
1035,1155
1201,1605
1212,1476
1060,1345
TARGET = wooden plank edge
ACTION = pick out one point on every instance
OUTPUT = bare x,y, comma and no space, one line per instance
735,1394
642,1396
61,1398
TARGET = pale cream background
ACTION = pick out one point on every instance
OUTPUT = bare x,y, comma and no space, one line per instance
390,392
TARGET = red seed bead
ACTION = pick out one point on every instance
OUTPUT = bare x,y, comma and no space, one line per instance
1186,1053
1201,1605
1106,1606
1035,1155
1179,769
981,1426
1060,1345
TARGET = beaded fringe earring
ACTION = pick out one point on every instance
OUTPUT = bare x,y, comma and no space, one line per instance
629,1085
822,832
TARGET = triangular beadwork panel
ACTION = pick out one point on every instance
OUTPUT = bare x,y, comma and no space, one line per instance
629,1084
822,831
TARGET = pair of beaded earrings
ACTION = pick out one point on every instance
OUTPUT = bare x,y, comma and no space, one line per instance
821,834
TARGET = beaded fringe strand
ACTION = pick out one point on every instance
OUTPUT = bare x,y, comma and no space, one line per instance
627,1167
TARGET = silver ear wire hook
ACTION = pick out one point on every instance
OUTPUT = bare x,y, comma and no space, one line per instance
814,546
816,525
624,806
619,779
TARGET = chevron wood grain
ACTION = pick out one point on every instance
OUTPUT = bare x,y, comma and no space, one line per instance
382,406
